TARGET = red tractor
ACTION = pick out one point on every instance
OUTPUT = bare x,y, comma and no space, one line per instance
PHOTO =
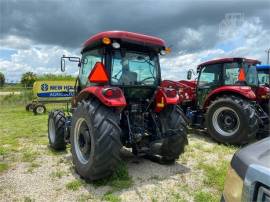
119,101
223,99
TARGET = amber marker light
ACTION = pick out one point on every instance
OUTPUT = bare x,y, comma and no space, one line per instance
106,40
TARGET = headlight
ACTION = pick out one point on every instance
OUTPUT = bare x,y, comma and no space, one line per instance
233,187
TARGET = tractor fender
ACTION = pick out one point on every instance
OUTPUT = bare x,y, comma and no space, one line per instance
243,91
97,91
263,93
164,97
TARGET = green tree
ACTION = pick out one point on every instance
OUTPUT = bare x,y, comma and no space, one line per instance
28,79
2,79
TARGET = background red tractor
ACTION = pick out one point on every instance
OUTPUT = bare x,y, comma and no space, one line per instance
223,99
119,101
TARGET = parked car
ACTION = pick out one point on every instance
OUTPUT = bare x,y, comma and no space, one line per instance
248,177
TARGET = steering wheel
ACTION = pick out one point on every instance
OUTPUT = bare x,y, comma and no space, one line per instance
143,81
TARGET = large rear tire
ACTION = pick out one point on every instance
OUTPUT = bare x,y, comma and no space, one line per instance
95,140
56,130
174,135
232,120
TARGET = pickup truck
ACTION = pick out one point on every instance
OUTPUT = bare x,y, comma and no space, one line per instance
248,177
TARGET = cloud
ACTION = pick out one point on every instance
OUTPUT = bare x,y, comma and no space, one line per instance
69,24
39,59
39,32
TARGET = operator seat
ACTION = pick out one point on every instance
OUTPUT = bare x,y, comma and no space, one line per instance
128,77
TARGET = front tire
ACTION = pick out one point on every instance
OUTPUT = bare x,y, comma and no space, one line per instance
95,140
56,130
231,120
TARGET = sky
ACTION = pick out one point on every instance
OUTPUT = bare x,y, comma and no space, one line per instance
35,34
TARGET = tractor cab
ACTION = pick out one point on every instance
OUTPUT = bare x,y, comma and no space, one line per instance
263,90
263,74
225,72
130,60
126,60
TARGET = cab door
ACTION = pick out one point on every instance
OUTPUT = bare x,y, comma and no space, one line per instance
209,79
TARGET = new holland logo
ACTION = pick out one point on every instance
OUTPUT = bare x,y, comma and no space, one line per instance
44,87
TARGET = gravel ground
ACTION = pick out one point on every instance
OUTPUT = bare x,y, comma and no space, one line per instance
151,181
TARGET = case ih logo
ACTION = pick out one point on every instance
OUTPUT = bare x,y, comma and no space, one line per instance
44,87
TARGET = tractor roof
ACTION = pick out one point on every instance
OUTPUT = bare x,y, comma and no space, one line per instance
263,67
224,60
124,36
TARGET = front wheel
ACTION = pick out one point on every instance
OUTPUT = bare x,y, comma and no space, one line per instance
56,130
231,120
95,140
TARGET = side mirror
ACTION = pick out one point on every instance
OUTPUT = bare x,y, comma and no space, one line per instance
63,64
71,59
189,74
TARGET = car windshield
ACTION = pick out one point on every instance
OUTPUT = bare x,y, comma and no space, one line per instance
134,68
263,76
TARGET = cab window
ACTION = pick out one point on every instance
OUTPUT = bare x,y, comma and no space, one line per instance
210,75
89,60
231,73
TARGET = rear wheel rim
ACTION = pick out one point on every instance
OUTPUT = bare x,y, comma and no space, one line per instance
82,141
52,130
226,121
40,109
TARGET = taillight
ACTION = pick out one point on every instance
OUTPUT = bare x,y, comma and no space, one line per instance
112,92
170,92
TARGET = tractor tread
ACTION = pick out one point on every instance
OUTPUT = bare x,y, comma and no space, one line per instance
106,135
59,120
247,115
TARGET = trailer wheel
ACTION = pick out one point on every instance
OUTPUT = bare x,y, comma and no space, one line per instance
39,109
29,107
95,139
232,120
56,130
174,135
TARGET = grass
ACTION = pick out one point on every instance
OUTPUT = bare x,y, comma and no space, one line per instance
3,151
85,197
109,196
119,180
53,77
3,167
24,97
22,133
214,174
74,185
202,196
29,156
57,174
27,199
32,167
